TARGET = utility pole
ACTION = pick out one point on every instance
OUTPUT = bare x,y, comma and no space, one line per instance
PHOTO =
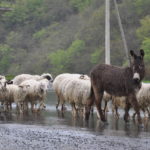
107,31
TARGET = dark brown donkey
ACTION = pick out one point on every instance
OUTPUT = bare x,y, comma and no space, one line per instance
119,82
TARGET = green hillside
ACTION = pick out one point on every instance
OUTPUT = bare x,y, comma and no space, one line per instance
68,35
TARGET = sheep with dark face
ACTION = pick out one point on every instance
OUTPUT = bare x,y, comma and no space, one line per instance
20,78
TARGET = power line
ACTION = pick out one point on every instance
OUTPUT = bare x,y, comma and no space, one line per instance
122,32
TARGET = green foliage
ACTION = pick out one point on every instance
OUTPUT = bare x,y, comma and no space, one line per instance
40,35
5,57
61,59
146,47
142,7
144,31
79,5
9,77
95,57
23,12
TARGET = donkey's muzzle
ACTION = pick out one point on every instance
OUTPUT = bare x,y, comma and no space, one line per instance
136,80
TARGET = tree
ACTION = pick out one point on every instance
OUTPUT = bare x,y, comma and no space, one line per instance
62,59
144,30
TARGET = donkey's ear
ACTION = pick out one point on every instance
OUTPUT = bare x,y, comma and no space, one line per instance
142,52
132,53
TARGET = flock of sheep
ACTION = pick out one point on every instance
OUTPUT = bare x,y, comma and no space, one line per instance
24,90
28,91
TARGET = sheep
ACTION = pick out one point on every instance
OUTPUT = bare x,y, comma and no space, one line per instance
2,89
14,93
143,97
74,89
57,86
106,98
20,78
118,102
36,92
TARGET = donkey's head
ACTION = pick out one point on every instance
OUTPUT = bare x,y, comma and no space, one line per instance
137,66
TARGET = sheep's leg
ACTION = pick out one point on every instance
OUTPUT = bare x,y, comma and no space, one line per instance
41,106
74,110
7,106
62,107
2,104
134,115
25,106
148,111
105,107
57,105
20,107
113,109
32,106
10,105
144,112
136,107
92,110
117,114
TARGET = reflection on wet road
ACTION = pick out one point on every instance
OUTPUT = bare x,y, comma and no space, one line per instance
51,117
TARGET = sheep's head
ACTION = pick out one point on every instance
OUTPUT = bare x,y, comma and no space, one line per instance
24,88
47,76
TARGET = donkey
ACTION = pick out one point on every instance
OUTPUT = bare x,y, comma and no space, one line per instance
118,82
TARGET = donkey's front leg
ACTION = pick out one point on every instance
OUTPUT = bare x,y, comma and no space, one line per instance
127,108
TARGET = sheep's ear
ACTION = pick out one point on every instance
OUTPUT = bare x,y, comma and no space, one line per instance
27,86
20,86
142,53
9,82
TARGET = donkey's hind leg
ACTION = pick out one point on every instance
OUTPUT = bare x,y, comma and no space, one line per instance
98,103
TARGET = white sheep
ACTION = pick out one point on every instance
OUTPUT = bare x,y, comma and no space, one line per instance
20,78
116,103
106,98
36,92
14,93
72,88
2,88
143,97
58,86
